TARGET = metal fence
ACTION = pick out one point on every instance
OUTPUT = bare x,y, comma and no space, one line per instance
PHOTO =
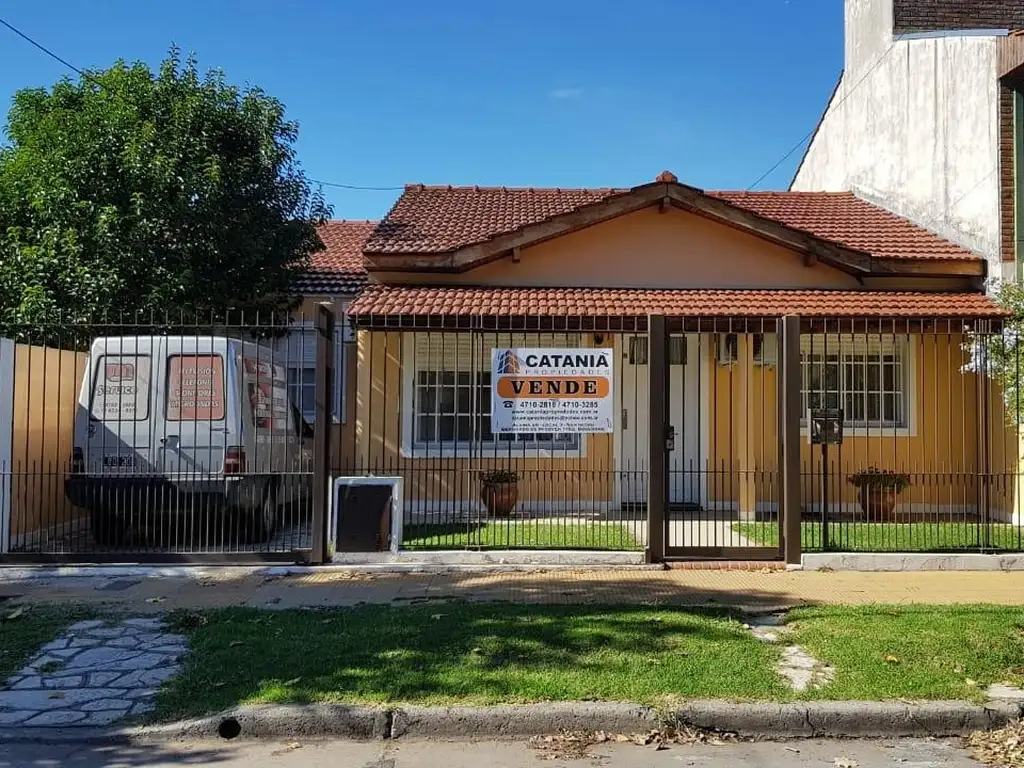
426,398
930,459
170,437
213,437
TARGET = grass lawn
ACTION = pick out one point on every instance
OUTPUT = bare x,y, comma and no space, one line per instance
520,534
891,537
465,654
23,630
913,652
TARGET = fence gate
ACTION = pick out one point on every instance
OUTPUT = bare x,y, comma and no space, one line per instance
715,423
185,437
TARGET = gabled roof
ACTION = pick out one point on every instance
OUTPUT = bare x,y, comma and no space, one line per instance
434,227
339,269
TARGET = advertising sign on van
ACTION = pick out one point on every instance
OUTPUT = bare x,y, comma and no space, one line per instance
121,391
267,389
195,388
561,391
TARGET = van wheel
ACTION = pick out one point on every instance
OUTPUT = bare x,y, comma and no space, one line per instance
264,518
108,528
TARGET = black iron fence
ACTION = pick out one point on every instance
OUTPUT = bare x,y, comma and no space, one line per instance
435,404
213,437
930,456
160,437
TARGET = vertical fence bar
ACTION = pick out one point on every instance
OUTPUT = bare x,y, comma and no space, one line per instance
321,430
789,433
658,455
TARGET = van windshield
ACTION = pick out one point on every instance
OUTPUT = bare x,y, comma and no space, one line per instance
195,388
120,390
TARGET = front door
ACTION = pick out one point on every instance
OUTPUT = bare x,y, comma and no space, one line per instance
688,362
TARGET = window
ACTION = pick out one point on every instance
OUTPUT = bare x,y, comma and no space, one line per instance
864,375
195,388
121,388
449,397
676,350
297,353
302,391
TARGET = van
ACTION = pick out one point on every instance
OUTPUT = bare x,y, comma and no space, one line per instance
185,423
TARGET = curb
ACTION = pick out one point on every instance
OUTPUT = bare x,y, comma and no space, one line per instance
850,719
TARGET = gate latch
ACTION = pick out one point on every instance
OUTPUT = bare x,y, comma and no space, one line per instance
670,438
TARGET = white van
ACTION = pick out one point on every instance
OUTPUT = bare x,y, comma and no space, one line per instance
183,423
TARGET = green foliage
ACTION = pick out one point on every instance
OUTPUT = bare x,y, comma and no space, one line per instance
873,477
131,192
1003,354
498,477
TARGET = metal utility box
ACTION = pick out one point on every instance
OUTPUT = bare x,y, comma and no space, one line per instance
362,520
826,426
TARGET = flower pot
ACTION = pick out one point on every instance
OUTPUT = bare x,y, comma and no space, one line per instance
500,498
878,504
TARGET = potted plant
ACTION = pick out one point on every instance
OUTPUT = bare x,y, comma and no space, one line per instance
499,491
877,491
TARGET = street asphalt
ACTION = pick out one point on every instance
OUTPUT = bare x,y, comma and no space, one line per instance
909,753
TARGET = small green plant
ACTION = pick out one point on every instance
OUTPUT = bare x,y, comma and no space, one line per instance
873,477
50,667
498,477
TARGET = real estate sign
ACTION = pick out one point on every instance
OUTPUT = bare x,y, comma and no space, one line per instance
560,391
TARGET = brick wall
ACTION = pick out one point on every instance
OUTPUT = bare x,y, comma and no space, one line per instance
937,15
1007,233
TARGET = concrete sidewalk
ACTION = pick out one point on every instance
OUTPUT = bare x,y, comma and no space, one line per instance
159,590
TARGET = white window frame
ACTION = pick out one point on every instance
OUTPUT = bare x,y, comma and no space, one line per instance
479,450
859,344
307,357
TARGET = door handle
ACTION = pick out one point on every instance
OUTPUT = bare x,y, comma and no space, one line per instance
625,419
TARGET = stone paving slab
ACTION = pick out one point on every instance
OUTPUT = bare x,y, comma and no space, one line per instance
94,675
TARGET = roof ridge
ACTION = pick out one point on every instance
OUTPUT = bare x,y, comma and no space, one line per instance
479,188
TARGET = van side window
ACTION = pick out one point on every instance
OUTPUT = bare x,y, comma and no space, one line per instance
195,388
120,388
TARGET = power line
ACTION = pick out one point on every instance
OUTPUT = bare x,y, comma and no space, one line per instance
86,76
44,49
824,117
356,186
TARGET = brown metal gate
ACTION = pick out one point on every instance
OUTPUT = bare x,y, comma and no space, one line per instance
717,422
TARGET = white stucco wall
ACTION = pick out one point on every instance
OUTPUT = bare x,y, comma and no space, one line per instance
914,127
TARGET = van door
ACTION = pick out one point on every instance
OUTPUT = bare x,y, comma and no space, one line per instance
193,435
119,403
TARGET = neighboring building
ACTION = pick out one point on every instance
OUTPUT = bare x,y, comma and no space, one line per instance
926,120
454,272
336,276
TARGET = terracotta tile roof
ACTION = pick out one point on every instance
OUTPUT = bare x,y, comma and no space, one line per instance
339,269
431,219
602,302
844,218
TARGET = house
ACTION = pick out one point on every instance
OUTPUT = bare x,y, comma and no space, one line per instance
336,276
926,120
891,315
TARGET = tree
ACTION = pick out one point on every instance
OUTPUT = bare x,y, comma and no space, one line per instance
1002,354
134,192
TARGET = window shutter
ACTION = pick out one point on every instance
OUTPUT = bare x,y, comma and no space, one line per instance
467,351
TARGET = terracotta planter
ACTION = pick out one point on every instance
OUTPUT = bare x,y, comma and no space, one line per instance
878,504
500,498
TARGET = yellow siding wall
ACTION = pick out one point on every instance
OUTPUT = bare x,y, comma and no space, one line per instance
379,438
46,386
940,450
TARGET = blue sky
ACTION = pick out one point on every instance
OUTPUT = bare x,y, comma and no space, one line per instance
529,93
